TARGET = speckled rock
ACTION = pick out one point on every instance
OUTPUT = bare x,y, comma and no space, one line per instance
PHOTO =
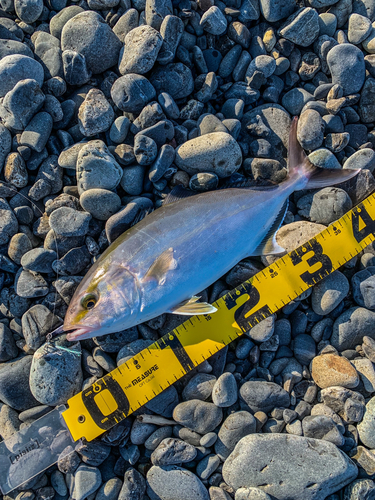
330,370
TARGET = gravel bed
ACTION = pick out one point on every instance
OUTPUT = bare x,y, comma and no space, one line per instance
105,106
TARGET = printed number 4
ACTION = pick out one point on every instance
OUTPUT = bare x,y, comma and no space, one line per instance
362,224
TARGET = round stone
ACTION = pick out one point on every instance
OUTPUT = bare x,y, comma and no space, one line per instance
171,482
329,370
96,168
15,68
270,459
100,203
69,222
28,10
57,377
95,114
174,78
217,153
329,292
132,92
88,34
198,415
141,49
264,396
347,66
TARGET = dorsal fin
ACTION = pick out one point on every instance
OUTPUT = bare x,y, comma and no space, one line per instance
269,245
178,193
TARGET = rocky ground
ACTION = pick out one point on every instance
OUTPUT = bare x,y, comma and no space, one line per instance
105,105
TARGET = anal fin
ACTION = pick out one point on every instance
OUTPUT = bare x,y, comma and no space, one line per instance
269,245
193,307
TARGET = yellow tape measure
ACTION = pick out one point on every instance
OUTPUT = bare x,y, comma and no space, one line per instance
122,391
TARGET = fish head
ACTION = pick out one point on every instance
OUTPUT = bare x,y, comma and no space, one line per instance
107,300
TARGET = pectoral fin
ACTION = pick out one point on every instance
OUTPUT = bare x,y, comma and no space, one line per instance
193,307
160,267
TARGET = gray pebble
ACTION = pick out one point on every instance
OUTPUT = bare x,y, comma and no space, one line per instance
59,20
294,100
213,21
173,451
95,114
100,203
156,11
153,441
264,396
217,152
225,393
132,179
89,35
96,168
122,220
363,284
57,377
263,331
207,466
8,347
76,71
109,490
251,494
310,130
359,28
142,46
198,415
36,323
364,158
235,427
30,285
145,150
17,67
14,383
119,129
174,78
273,11
5,144
246,466
329,293
131,92
171,481
325,206
199,387
350,328
351,74
86,481
134,486
323,158
302,28
69,222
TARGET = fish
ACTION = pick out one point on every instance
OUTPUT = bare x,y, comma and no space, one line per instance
161,263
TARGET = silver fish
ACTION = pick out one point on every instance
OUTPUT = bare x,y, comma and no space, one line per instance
161,263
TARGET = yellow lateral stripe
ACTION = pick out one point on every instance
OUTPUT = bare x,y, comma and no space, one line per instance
119,393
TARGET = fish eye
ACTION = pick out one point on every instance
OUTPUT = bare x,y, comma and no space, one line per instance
89,301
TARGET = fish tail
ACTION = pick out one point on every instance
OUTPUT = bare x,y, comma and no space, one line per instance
305,174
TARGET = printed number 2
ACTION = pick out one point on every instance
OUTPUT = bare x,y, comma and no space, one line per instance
240,315
361,216
317,257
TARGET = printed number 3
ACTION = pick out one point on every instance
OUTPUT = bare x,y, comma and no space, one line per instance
317,257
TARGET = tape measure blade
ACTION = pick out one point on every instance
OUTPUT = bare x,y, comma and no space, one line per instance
33,449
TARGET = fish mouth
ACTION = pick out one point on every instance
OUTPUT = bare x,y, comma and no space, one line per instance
73,333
